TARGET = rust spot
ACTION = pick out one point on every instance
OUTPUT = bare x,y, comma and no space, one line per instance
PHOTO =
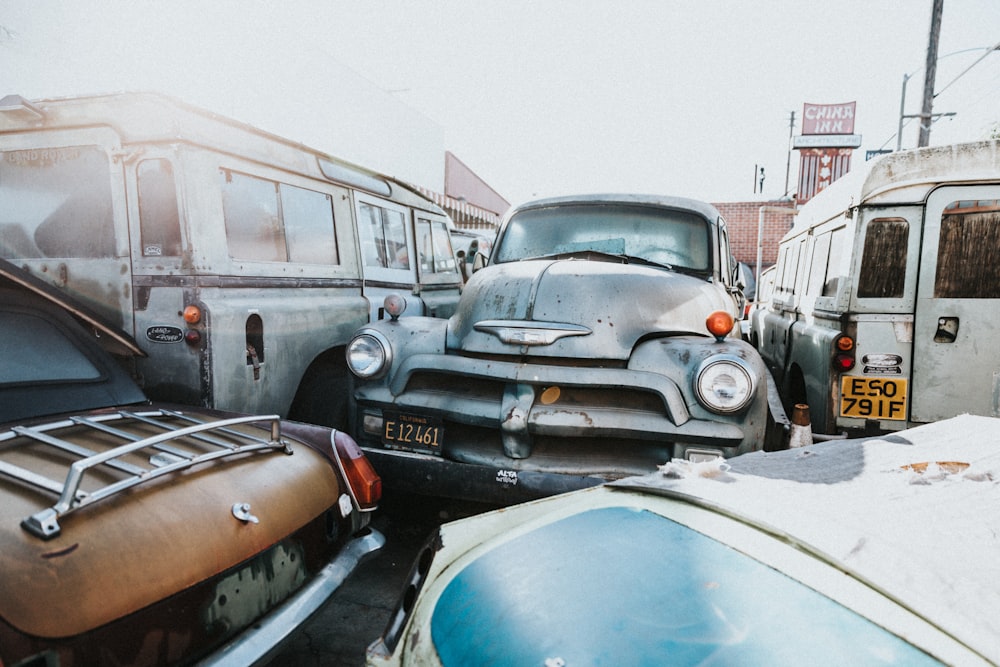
62,552
951,467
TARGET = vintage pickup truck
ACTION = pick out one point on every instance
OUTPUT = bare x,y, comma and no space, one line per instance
598,342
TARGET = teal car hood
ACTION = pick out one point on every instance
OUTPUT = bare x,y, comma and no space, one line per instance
668,595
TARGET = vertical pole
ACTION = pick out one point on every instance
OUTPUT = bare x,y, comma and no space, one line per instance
788,162
902,111
926,113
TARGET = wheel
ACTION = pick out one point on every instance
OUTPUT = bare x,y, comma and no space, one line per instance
323,396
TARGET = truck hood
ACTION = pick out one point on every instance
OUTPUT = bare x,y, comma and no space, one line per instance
578,308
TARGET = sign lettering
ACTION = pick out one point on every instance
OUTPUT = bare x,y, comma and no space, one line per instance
828,118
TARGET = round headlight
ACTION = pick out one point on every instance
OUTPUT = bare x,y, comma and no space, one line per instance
368,354
724,384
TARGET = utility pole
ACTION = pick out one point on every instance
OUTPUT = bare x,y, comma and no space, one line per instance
926,114
788,162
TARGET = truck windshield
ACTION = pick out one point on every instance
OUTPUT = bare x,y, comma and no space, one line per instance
55,202
675,238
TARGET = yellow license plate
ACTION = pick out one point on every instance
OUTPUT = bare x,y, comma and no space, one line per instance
873,397
415,433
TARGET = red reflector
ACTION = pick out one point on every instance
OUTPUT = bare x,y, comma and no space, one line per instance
192,337
364,481
844,362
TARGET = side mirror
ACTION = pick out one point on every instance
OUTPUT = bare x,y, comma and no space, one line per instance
478,262
738,278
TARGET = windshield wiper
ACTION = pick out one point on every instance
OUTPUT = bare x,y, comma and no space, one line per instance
634,259
599,254
622,258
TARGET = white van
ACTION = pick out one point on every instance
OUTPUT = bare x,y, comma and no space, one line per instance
886,304
240,261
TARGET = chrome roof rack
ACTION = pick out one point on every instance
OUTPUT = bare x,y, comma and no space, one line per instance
216,438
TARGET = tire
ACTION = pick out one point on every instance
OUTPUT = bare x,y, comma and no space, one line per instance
323,396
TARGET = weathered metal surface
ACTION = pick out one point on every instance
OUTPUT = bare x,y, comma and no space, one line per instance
575,352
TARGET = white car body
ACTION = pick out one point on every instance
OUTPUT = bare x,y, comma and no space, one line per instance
901,530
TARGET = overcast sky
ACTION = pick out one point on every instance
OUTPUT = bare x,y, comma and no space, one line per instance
544,98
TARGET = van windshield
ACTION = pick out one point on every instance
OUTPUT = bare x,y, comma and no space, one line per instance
55,202
677,239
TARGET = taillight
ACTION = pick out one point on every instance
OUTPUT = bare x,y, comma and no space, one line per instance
843,356
192,317
366,485
192,314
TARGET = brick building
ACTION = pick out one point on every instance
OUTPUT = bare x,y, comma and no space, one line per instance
743,221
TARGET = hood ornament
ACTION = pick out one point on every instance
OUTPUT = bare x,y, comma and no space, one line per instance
528,332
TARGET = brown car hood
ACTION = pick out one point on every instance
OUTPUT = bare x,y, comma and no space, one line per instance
118,555
616,303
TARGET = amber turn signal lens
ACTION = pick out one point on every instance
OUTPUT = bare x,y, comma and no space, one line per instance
364,481
192,314
394,305
720,323
845,343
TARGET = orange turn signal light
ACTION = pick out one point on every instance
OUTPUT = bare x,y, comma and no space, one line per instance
364,481
394,305
192,314
719,323
845,343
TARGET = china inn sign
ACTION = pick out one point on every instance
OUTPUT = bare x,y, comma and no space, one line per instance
824,146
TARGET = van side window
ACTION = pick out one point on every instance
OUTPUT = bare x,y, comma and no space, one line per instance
883,260
253,227
159,220
800,274
788,269
383,236
309,226
832,280
277,222
56,202
434,247
779,268
967,263
818,270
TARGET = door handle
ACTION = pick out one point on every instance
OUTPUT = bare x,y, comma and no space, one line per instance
254,360
947,330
